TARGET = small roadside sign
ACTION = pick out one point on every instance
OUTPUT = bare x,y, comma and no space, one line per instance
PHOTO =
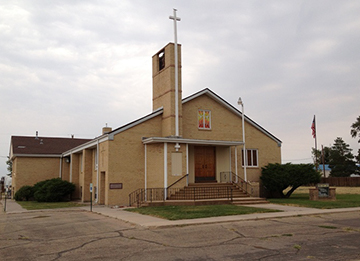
91,190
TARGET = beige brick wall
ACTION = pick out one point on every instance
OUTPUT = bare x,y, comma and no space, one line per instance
155,165
103,170
87,171
29,170
65,170
164,89
94,175
225,125
75,174
126,161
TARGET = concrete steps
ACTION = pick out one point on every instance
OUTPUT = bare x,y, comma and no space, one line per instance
207,191
236,201
208,194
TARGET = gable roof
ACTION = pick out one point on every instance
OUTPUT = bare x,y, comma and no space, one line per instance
111,134
27,145
159,111
155,113
227,105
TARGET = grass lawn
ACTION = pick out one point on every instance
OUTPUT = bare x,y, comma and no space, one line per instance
302,200
191,212
33,205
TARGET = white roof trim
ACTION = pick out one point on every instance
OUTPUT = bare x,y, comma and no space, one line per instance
231,108
37,155
86,145
155,113
191,141
110,135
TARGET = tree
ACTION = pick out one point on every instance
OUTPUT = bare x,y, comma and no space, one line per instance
355,129
341,159
278,177
317,154
9,166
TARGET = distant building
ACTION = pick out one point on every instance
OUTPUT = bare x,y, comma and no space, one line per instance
37,158
327,170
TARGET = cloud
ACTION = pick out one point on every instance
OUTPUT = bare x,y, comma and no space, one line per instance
69,67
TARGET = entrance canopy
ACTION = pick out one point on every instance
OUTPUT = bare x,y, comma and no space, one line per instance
152,140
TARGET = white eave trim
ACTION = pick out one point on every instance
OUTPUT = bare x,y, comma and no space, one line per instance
191,141
87,145
37,155
155,113
110,136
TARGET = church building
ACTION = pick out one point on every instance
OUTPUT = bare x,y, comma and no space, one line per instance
195,139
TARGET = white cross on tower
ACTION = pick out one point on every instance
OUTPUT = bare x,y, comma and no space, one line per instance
175,18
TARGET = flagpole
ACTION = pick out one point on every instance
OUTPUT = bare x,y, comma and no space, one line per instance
313,127
323,159
315,134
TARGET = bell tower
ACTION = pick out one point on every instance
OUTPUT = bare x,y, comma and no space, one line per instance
163,71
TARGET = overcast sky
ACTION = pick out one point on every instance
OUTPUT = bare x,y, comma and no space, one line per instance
69,67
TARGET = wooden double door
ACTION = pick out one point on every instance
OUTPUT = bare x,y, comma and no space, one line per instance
205,169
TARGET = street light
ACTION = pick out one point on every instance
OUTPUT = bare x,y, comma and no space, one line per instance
243,134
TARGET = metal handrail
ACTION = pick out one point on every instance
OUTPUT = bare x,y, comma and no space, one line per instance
168,189
149,194
229,176
190,193
200,193
142,195
179,181
243,184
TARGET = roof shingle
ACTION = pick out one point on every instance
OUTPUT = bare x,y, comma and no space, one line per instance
43,145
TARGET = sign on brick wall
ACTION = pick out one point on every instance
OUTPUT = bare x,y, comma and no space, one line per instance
116,185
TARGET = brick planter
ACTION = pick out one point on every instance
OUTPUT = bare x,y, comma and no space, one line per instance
315,195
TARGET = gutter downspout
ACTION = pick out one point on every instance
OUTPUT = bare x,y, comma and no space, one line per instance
165,170
145,172
60,170
187,164
71,160
97,171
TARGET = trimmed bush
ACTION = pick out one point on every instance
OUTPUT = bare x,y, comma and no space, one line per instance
278,177
53,190
24,193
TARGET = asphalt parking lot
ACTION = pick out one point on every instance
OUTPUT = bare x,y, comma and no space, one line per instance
76,234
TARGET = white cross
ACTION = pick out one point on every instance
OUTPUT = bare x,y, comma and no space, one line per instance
175,18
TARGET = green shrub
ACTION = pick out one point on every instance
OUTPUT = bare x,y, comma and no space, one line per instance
24,193
53,190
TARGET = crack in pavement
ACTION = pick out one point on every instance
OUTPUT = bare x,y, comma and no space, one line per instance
59,254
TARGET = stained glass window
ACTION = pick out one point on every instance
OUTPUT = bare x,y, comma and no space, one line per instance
204,119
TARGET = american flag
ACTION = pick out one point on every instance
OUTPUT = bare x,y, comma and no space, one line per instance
313,127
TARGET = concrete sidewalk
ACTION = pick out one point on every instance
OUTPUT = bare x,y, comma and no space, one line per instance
150,222
11,206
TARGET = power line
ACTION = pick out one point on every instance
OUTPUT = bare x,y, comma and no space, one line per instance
297,159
